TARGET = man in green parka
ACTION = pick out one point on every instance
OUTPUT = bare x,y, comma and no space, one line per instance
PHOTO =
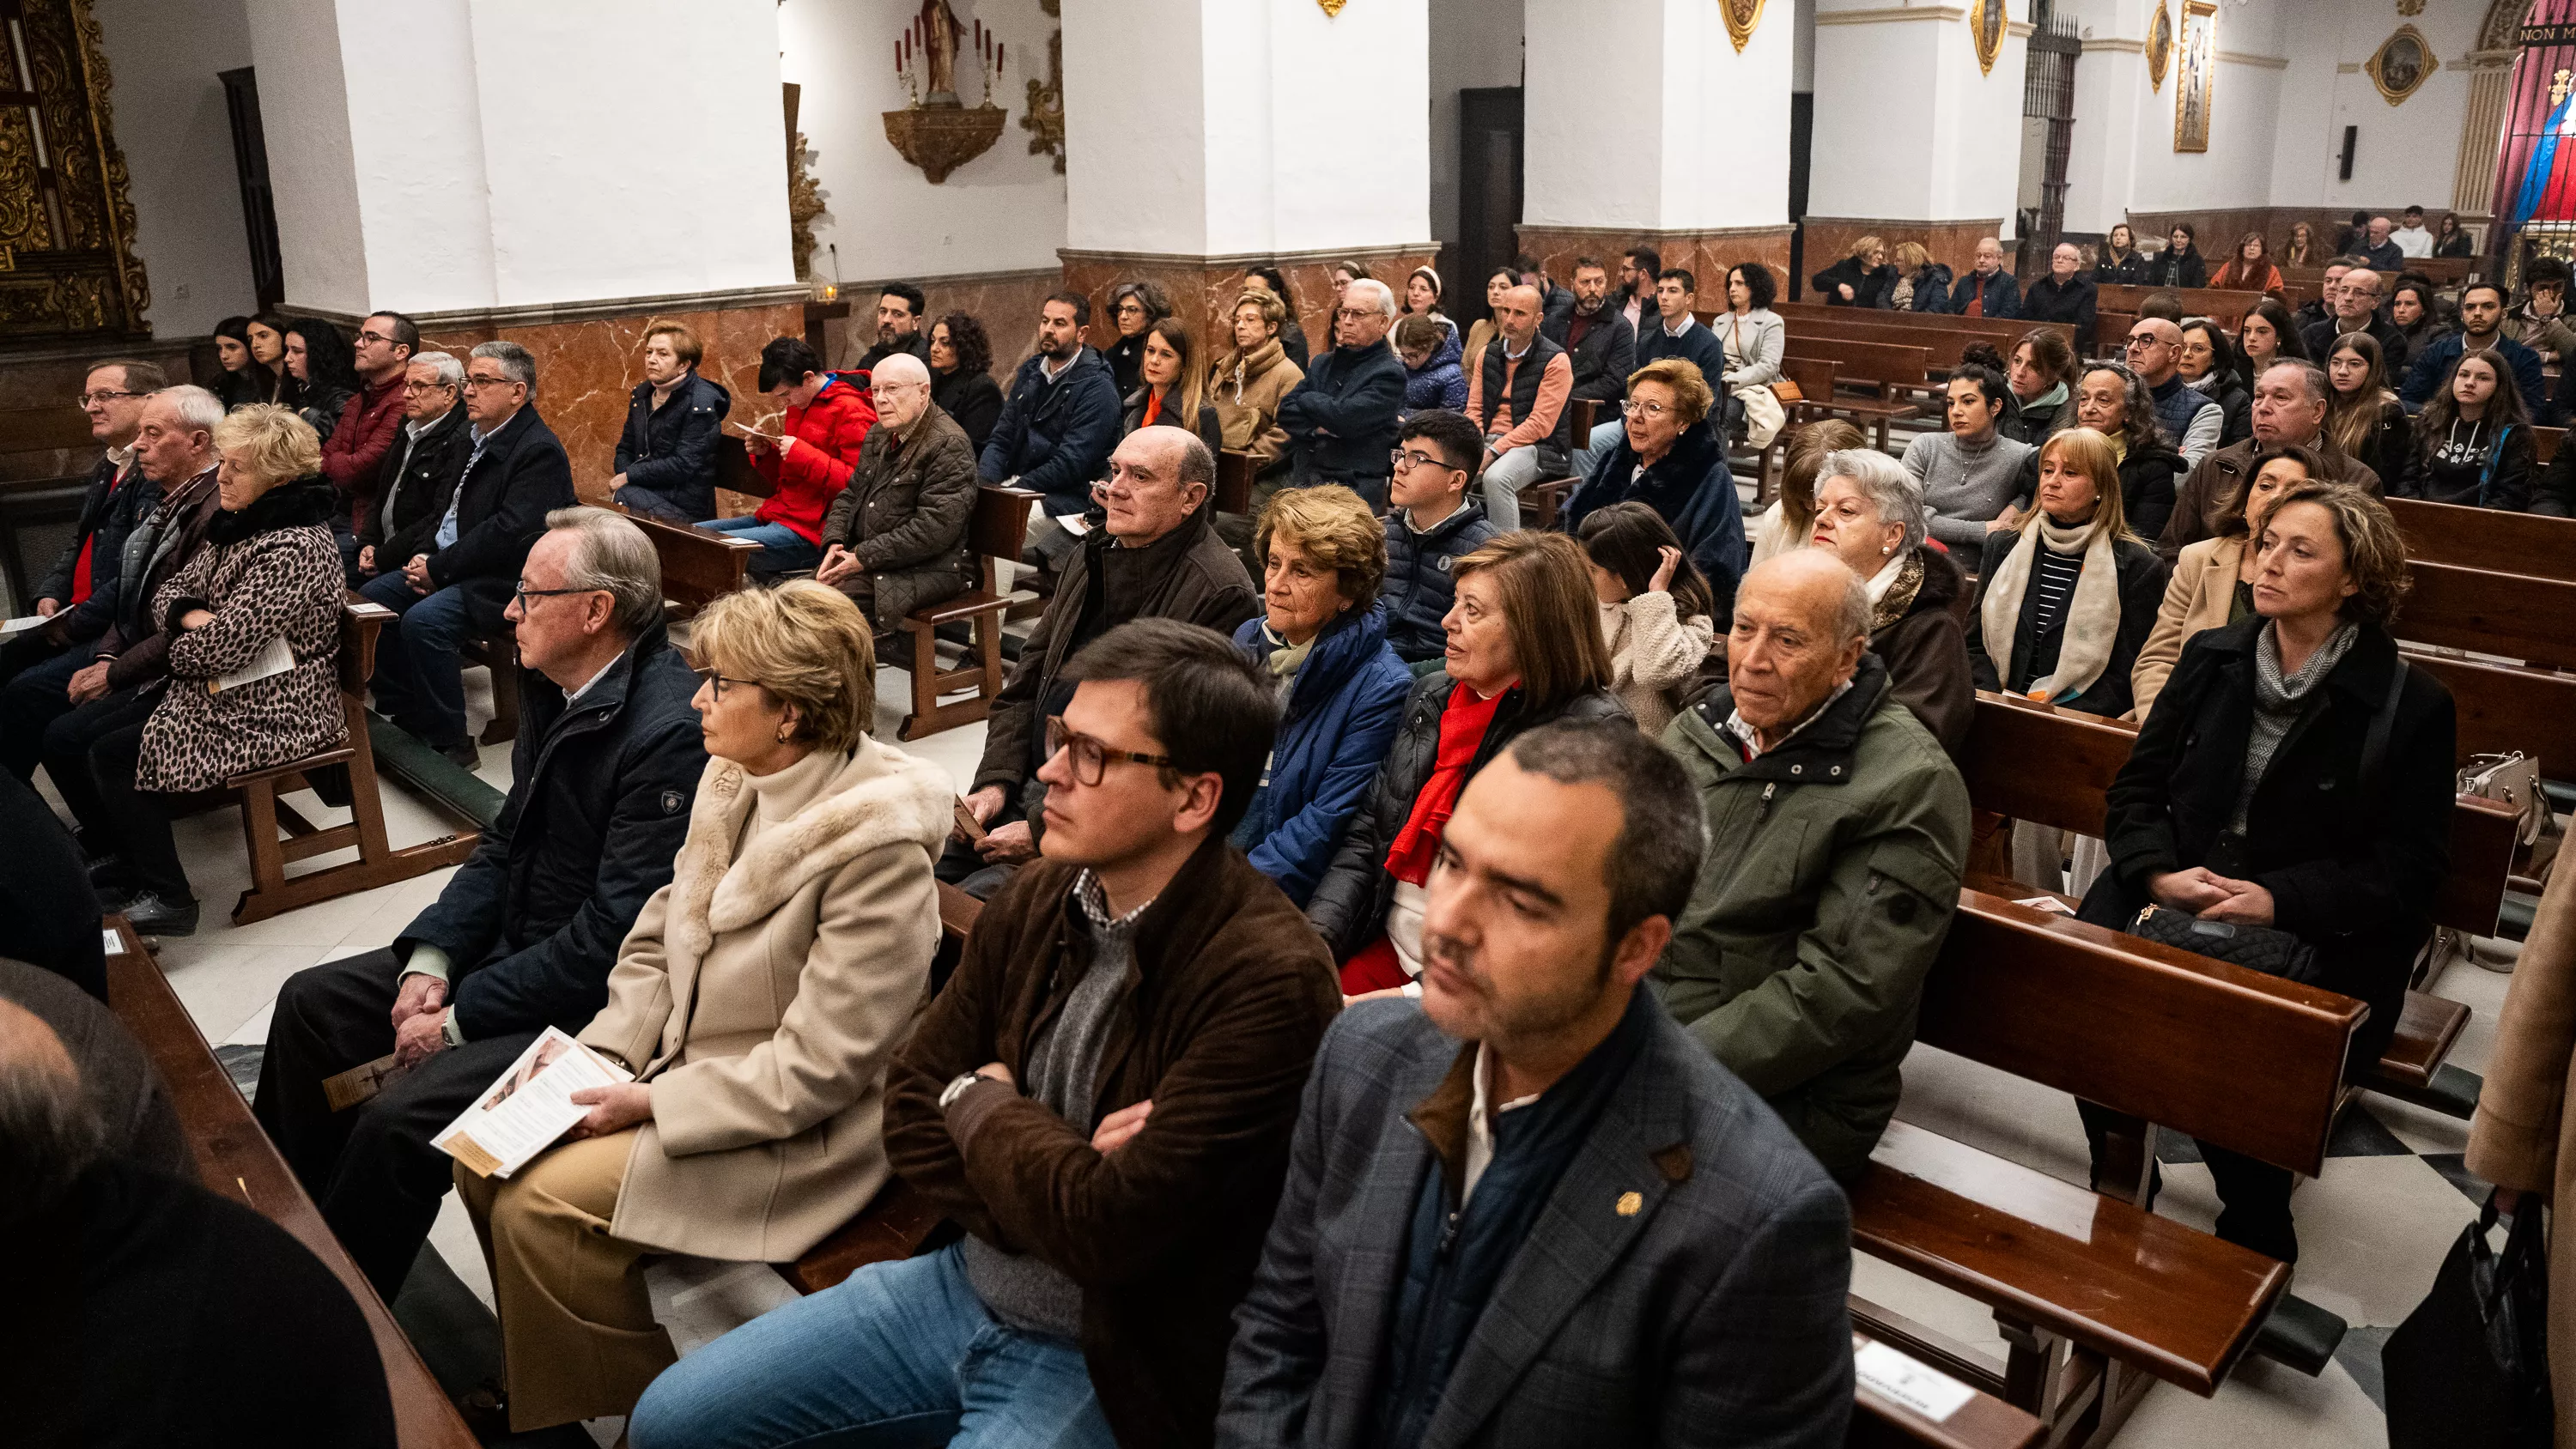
1837,831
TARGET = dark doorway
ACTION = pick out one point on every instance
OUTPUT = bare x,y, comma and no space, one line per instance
250,163
1489,192
1802,132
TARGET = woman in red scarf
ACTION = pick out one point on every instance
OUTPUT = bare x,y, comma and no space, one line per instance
1524,650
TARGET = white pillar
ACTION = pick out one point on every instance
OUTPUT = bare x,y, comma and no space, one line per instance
1911,129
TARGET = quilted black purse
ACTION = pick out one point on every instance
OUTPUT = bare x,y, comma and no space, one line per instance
2267,949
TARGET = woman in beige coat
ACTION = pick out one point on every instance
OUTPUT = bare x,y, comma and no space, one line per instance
757,1001
2209,588
1655,610
1246,384
2519,1139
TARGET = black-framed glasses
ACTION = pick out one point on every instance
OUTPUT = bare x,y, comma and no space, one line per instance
375,337
101,396
1407,459
717,682
523,593
1090,758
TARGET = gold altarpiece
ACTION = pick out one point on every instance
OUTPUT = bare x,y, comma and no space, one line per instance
67,264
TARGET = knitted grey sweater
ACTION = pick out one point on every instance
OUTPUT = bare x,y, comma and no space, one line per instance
1965,487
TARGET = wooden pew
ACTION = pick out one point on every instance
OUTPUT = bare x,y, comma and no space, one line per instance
2002,331
2110,333
1235,472
698,567
498,654
235,1160
263,815
2095,1295
995,534
2486,539
2544,444
2512,616
2226,308
1876,366
2500,708
1814,378
1541,500
1880,1421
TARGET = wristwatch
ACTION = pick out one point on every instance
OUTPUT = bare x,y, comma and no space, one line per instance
958,1086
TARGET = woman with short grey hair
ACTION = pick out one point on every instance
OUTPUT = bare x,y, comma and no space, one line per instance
1870,513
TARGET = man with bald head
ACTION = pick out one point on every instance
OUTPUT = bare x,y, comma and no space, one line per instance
144,1309
2192,418
2065,294
2289,410
1516,392
1155,555
2356,309
2379,247
895,538
1837,832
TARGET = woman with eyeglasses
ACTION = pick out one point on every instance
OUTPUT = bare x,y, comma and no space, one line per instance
1292,336
1672,458
1524,649
1134,307
253,630
2210,365
757,1000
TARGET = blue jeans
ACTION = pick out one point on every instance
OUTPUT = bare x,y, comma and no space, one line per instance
899,1354
419,682
782,549
660,507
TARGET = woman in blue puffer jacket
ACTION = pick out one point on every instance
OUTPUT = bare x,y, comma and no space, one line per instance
1341,686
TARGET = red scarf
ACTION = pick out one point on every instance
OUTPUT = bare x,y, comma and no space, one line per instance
1153,406
1462,733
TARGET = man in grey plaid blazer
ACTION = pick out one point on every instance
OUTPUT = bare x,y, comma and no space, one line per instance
1629,1249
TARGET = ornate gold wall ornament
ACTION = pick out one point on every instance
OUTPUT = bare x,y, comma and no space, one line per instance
66,227
937,132
1741,16
2160,44
1986,20
2410,7
1045,116
2401,64
2196,74
1332,8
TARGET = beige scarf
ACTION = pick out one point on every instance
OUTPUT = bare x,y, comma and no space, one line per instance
2092,616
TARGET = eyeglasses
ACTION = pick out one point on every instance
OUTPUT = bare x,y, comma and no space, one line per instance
2141,340
892,389
375,337
1355,314
1090,758
717,682
1405,460
433,385
472,382
523,593
93,399
1636,409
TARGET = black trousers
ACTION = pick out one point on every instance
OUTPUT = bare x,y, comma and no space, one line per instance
371,1168
65,749
35,680
131,822
2253,1196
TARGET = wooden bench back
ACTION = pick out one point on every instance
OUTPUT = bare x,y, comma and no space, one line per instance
2002,331
61,427
734,470
2486,539
2514,616
2501,708
2227,308
2053,767
360,620
698,567
1876,363
2248,1061
1234,474
1813,375
2544,443
2110,332
1000,526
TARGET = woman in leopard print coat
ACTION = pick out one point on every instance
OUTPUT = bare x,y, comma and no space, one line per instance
269,571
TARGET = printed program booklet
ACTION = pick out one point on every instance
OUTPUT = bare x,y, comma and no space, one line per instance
529,1107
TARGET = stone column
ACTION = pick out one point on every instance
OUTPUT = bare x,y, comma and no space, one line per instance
2481,133
1205,136
488,167
1682,145
1914,139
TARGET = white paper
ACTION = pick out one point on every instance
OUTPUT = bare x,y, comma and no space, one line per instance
15,626
2045,903
1899,1379
529,1106
273,658
1075,524
109,939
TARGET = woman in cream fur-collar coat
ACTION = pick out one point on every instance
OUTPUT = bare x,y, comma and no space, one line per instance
757,1000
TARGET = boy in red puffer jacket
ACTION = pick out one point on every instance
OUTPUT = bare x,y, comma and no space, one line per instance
828,416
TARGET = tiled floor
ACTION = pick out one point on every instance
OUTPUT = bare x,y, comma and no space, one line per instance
2372,1229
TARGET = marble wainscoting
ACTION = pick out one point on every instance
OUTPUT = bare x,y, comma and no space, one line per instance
1204,289
1952,243
590,358
1707,255
1006,303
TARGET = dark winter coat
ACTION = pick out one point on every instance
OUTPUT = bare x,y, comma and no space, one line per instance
2002,293
2497,475
1341,420
1694,490
2353,865
412,489
1925,648
113,504
2320,341
1869,285
2426,374
2132,270
1931,290
972,400
2034,655
1605,356
1132,416
2186,268
905,514
671,452
1350,903
522,476
155,551
1333,731
1421,576
2047,300
1441,381
1055,437
599,804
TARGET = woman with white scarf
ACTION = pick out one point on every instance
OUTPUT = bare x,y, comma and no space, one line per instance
2067,601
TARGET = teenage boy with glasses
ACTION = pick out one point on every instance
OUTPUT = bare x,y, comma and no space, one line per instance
1437,521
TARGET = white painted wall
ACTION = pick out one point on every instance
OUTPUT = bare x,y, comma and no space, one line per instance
1002,211
424,203
1136,154
1907,127
2405,153
1725,120
312,168
1475,44
171,124
1350,123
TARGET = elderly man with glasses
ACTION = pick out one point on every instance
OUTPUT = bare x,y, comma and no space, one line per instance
895,538
522,938
1341,420
2192,418
2355,304
456,586
418,475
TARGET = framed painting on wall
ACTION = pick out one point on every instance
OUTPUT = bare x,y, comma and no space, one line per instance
2159,46
1986,20
2401,64
2196,69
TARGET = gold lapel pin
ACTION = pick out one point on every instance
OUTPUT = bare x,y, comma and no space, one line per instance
1630,1203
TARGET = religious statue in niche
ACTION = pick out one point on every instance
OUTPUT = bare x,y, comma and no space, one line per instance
1741,16
1045,117
2196,61
1986,20
2159,46
937,131
2401,64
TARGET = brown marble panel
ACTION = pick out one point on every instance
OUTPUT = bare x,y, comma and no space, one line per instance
1006,303
586,370
1215,286
1952,243
1706,255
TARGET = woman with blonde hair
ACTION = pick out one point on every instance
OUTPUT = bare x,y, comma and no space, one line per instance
1862,279
1248,381
757,1000
1525,649
2067,598
269,579
1922,284
1671,457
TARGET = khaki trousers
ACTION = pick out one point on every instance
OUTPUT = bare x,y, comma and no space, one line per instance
578,1340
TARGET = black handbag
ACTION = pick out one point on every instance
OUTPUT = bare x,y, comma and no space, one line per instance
2267,949
2469,1368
